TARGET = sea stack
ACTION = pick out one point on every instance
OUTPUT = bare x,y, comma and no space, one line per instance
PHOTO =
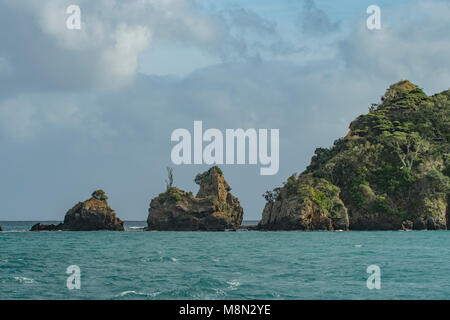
390,172
214,208
90,215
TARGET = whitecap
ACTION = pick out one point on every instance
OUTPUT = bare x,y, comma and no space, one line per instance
24,279
358,245
137,293
233,284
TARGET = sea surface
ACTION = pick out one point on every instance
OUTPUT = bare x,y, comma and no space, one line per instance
223,265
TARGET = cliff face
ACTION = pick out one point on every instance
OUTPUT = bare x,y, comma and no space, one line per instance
306,203
213,209
391,170
90,215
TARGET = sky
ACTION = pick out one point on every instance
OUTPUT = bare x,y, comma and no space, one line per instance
95,108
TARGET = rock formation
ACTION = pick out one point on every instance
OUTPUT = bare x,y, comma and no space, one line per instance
390,172
214,208
90,215
304,203
1,229
46,227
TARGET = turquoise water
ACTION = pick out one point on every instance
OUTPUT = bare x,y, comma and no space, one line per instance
223,265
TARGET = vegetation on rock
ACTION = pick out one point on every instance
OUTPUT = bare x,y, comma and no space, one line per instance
392,169
100,195
213,208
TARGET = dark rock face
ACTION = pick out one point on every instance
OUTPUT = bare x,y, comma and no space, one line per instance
90,215
46,227
213,209
1,229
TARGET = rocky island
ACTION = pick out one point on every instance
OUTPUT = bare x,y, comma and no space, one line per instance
390,172
90,215
214,208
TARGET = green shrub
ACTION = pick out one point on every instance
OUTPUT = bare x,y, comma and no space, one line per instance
100,195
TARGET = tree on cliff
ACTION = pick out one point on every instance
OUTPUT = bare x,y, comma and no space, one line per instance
408,147
169,180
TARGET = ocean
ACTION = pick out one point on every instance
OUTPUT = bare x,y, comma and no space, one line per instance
223,265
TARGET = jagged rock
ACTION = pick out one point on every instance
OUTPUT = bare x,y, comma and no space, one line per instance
304,203
46,227
1,229
214,208
90,215
407,225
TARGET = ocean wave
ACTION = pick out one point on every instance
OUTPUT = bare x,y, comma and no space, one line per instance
233,284
24,280
136,294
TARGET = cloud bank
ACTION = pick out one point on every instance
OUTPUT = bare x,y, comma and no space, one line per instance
76,114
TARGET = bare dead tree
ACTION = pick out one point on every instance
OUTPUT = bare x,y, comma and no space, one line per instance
169,181
408,148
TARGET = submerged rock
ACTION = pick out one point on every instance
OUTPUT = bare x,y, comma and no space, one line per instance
214,208
90,215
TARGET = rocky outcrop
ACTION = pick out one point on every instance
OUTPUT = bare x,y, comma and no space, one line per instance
90,215
46,227
1,229
214,208
304,203
392,171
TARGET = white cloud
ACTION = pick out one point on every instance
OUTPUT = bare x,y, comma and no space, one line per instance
127,130
113,34
35,117
119,64
413,44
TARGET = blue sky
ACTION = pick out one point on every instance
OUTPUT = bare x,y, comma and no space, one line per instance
95,108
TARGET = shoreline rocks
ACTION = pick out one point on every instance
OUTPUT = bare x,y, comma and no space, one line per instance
93,214
214,208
